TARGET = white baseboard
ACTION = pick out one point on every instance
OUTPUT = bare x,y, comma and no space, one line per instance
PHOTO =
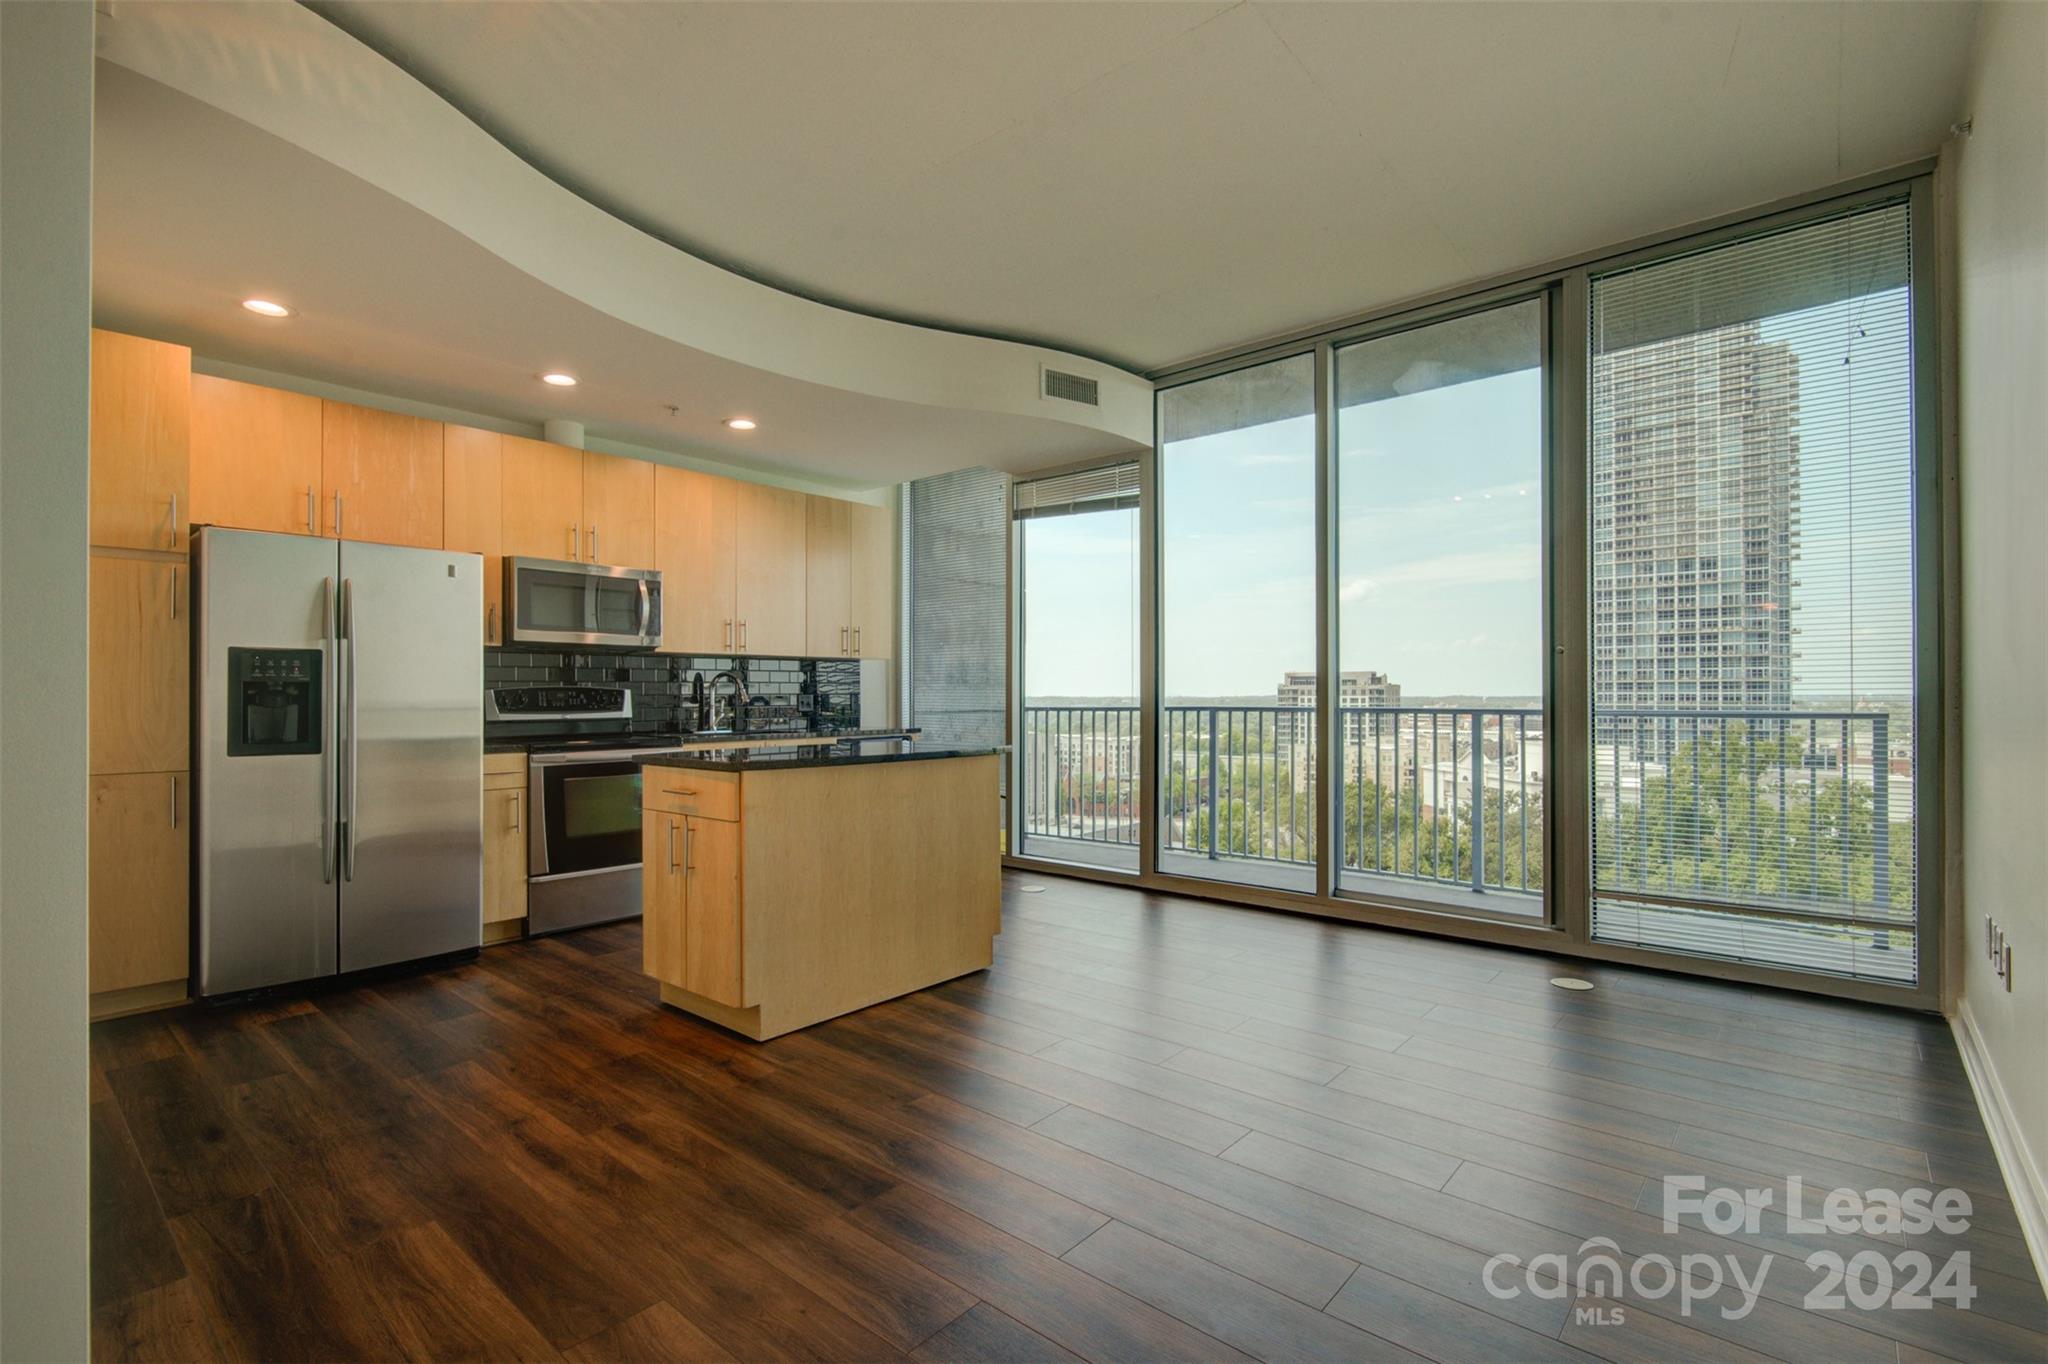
2016,1161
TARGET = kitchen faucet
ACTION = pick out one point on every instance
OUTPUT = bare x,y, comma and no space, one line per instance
739,700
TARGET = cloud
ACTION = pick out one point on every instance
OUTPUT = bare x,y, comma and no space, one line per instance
1506,564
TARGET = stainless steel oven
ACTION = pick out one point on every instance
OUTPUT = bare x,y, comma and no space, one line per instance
583,840
589,606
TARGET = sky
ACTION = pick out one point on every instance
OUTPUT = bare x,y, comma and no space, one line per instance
1441,540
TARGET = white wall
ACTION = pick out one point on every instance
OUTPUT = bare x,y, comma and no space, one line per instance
45,307
2001,177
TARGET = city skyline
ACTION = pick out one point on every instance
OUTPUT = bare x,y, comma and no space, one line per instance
1454,596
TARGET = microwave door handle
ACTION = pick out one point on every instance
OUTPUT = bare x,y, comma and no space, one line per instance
646,608
329,728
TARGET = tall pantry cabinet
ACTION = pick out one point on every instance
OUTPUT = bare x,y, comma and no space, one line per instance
139,715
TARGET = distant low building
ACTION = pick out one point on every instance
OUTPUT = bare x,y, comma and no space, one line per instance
1354,690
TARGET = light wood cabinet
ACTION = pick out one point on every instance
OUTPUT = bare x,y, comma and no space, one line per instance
690,887
381,475
618,510
255,457
769,595
504,853
779,897
473,512
505,834
712,940
696,549
140,925
543,499
871,560
828,580
661,893
140,444
140,665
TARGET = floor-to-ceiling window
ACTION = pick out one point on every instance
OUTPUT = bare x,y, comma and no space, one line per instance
1237,626
1440,612
1755,737
1077,774
1595,609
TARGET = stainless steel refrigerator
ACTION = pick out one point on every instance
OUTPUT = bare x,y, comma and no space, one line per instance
338,806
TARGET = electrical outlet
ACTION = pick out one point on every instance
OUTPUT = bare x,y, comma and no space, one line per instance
1999,951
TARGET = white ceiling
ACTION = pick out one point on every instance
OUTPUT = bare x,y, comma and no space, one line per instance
1148,182
195,209
1134,181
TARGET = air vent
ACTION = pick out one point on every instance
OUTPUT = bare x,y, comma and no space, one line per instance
1069,387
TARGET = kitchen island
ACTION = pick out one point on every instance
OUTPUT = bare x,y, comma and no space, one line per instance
785,886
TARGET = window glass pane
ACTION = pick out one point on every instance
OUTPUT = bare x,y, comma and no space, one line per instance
1078,761
1237,594
1753,626
1440,449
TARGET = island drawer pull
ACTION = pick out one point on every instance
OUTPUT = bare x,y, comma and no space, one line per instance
678,791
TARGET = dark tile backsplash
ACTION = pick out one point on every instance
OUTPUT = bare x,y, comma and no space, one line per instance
825,688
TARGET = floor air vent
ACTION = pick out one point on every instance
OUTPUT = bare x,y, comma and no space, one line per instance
1070,387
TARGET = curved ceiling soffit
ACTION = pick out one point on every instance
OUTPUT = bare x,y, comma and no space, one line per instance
285,69
567,177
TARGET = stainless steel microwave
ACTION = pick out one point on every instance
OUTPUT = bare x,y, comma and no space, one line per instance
588,606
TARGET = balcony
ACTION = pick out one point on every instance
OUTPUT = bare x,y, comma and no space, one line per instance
1761,835
1238,796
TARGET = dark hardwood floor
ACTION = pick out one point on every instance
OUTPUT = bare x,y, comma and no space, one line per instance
1158,1130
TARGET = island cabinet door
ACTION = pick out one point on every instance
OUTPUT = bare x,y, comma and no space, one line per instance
661,896
712,954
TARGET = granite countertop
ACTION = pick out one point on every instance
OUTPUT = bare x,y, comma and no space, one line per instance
846,753
741,740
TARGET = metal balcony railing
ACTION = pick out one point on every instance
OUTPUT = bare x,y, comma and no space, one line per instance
1756,809
1077,773
1447,795
1238,784
1764,810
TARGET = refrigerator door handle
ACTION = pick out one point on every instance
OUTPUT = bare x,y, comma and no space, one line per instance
330,730
348,811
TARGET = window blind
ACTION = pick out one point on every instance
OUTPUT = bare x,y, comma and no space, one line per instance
1088,490
1753,628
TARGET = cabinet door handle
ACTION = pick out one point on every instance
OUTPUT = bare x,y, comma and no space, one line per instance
337,516
728,635
174,592
575,538
856,640
174,520
593,542
311,512
843,632
490,625
672,845
515,811
743,637
676,791
174,801
687,863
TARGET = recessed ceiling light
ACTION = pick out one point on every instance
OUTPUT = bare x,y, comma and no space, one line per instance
266,308
740,423
559,380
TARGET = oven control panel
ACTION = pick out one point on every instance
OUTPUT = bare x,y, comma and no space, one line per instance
558,703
